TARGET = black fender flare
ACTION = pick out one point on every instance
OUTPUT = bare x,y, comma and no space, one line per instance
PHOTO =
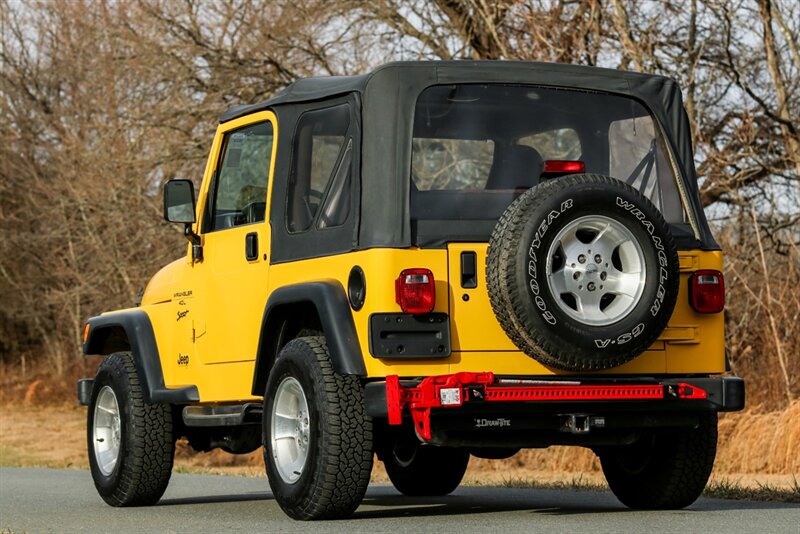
132,331
333,308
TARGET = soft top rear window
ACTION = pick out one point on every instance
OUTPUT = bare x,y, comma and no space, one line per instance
476,147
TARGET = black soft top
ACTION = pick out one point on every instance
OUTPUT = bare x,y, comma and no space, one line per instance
388,96
303,90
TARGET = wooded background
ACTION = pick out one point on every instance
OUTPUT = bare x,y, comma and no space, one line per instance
103,101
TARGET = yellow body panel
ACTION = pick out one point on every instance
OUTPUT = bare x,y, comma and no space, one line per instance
207,315
213,345
231,296
231,291
471,327
692,343
381,267
697,343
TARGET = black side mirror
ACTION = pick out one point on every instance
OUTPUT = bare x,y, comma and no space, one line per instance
179,207
179,203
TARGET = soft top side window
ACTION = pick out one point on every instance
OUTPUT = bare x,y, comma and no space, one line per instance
637,155
320,172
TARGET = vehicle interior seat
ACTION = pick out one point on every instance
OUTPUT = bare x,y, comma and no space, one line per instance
515,167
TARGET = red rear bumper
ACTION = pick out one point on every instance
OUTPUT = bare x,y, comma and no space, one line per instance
453,391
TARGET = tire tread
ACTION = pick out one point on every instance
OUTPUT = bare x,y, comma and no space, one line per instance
347,440
679,471
434,471
146,467
507,297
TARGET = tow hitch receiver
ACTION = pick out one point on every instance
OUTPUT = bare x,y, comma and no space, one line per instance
452,391
581,423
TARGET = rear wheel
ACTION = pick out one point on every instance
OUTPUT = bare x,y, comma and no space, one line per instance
663,470
130,441
317,437
423,470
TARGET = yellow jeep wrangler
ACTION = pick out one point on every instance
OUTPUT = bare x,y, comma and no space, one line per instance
432,261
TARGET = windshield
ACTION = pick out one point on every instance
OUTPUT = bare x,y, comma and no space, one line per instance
476,147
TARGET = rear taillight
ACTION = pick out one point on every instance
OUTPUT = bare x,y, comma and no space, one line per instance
561,166
707,291
415,291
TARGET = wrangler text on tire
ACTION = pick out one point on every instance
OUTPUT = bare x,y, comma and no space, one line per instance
582,272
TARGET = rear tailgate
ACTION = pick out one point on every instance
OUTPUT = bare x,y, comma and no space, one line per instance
473,325
691,343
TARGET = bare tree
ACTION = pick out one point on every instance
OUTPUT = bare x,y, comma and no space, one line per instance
103,101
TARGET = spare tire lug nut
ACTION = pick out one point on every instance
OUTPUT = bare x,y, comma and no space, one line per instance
590,286
581,259
598,258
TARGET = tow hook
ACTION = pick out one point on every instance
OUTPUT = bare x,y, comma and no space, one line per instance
476,393
581,423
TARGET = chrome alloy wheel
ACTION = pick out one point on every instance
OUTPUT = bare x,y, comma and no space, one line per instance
290,430
106,430
596,270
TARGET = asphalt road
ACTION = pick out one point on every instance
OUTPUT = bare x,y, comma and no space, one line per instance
50,500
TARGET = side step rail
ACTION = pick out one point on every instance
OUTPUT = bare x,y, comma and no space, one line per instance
227,415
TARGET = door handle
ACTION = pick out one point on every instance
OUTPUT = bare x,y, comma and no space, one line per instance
469,270
251,246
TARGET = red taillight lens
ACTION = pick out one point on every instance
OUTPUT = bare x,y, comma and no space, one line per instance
560,166
415,291
707,291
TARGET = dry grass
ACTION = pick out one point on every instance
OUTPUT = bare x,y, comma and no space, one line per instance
40,425
762,308
43,436
761,491
760,442
28,433
756,451
725,488
749,442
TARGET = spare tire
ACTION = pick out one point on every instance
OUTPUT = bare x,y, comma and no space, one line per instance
582,272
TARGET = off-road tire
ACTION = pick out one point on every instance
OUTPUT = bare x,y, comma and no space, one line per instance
337,469
519,245
431,471
665,470
147,445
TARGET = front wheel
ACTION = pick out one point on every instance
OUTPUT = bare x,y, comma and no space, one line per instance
131,443
317,437
423,470
664,470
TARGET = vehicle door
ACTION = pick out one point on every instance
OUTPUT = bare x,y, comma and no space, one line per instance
232,277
